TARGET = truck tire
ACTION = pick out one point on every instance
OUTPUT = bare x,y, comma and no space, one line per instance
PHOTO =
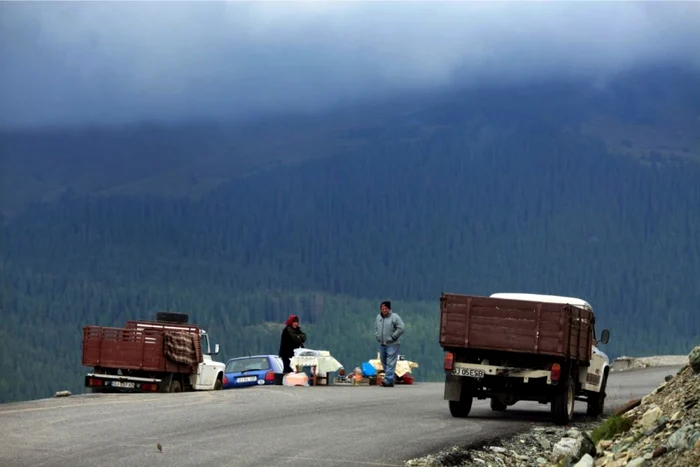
172,317
596,401
461,409
497,405
175,386
563,402
219,384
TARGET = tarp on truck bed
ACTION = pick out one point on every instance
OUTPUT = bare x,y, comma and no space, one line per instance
181,347
473,322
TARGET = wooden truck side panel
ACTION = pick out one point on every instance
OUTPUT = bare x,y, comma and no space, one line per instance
131,348
474,322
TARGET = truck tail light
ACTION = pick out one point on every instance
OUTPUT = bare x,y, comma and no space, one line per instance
449,360
556,372
270,376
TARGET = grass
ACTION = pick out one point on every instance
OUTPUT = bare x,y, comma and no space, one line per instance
609,428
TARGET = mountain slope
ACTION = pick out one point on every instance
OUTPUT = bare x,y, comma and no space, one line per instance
502,196
646,114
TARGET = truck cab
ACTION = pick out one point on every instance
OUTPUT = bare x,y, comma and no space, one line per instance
209,373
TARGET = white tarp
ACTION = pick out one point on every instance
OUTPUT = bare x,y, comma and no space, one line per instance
321,359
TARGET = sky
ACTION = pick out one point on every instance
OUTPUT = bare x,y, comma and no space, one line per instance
100,62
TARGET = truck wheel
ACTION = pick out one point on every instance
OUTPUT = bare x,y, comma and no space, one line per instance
596,401
461,409
497,405
175,386
563,403
218,385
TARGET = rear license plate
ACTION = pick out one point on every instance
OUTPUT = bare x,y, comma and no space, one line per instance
470,372
247,379
123,384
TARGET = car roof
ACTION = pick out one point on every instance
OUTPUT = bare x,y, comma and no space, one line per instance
544,298
252,356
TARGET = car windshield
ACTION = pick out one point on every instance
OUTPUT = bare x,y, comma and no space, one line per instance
247,364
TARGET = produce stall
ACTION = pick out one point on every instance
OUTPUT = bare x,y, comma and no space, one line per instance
320,365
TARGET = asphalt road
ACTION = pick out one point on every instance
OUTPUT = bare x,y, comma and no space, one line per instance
266,426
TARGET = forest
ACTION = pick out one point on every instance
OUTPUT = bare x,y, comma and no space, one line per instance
474,206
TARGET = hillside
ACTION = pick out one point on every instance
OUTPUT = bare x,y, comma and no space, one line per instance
661,429
649,115
500,190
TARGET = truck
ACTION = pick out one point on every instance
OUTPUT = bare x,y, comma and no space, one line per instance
512,347
165,355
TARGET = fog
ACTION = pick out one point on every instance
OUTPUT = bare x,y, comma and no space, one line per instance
108,62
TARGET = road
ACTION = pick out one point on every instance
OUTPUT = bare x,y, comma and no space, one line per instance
270,426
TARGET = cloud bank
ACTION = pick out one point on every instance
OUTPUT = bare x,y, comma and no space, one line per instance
110,62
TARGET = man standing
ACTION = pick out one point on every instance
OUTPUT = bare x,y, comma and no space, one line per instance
388,327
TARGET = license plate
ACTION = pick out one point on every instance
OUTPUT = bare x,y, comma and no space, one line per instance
247,379
123,384
470,372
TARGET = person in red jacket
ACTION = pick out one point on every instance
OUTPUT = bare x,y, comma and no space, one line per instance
292,338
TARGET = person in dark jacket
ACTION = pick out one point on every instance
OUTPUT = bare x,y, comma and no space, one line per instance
292,338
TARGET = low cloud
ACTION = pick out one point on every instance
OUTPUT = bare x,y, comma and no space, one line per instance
107,62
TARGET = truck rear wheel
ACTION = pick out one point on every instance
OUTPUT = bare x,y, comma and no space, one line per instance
596,401
461,408
497,405
174,386
563,403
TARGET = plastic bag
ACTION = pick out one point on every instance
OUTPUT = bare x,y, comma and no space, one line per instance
295,379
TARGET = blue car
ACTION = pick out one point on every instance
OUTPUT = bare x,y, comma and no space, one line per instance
253,371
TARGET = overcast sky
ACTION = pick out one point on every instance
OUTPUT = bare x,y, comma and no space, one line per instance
101,62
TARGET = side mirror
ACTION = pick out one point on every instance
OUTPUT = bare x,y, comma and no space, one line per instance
604,336
216,349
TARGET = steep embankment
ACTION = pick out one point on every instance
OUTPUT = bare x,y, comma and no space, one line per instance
661,429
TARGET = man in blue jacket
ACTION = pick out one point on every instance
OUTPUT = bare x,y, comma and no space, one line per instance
388,328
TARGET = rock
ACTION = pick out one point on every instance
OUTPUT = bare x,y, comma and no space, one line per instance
544,442
64,393
658,451
694,359
683,438
541,461
637,462
668,378
651,416
659,427
498,449
587,445
586,461
567,447
605,443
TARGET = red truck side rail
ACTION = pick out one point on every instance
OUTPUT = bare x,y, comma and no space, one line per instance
142,346
474,322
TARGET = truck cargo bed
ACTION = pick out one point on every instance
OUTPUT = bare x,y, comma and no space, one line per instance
474,322
142,346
